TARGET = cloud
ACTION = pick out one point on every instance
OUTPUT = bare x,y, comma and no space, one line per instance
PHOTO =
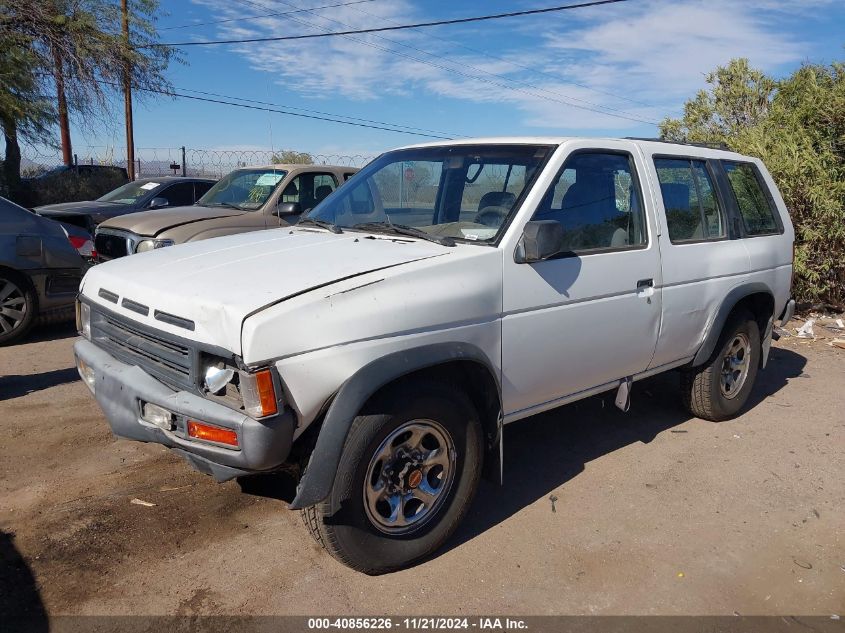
600,70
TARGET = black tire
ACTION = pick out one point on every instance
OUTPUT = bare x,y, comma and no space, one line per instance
702,387
21,297
349,534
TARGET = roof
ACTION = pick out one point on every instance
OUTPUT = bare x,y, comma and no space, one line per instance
292,166
174,179
649,146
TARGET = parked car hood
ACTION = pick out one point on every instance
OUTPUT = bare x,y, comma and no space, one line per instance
218,283
78,208
151,223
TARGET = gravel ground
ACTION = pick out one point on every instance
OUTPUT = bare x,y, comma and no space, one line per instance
650,512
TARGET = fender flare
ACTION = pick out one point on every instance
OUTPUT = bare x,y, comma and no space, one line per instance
736,295
318,479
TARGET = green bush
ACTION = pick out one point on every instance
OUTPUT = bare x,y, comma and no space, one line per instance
796,126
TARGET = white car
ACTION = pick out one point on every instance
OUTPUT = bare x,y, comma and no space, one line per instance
447,289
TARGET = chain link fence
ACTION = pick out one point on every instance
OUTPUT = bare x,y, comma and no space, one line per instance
164,161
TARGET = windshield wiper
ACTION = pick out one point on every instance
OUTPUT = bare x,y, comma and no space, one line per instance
404,229
231,205
334,228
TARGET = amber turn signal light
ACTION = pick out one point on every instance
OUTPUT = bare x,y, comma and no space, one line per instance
209,433
266,393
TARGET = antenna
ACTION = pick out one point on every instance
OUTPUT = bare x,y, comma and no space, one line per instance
270,124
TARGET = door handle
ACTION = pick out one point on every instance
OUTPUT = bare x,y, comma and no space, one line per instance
645,283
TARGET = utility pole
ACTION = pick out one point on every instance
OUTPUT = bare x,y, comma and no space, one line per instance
127,94
64,124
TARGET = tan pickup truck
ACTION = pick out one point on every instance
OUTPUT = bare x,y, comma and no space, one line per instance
247,199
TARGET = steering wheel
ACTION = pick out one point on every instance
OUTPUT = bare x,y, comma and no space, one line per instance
492,216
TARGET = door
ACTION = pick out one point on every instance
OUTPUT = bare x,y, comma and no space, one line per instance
702,261
590,315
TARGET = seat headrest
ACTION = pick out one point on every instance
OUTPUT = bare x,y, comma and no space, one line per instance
497,199
322,192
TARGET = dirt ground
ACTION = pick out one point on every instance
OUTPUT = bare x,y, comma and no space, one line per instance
650,512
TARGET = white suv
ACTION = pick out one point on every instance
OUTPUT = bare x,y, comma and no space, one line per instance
377,347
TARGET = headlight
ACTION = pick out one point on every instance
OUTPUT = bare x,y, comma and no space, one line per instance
257,390
151,245
83,319
217,376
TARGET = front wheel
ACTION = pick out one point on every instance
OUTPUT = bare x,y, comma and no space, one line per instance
408,472
718,390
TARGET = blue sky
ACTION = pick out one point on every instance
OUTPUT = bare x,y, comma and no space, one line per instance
599,71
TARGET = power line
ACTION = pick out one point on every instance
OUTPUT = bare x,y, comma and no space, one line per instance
400,27
491,74
265,15
477,51
590,106
387,127
440,134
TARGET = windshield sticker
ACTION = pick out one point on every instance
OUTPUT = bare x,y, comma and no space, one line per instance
150,185
478,234
269,180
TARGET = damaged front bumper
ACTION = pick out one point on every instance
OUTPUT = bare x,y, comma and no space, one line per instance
122,390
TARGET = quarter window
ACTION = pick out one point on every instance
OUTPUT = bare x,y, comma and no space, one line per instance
596,199
693,213
754,206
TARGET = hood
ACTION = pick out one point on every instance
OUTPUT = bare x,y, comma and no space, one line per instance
89,207
151,223
217,283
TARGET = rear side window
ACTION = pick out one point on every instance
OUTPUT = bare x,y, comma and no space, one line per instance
754,206
596,199
693,213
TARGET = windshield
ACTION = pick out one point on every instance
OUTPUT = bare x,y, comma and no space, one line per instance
130,192
464,192
246,189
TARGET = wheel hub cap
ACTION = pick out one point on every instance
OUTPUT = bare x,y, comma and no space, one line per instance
409,476
735,364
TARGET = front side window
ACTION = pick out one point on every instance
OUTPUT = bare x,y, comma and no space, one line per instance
754,206
597,200
464,192
693,213
179,195
246,189
308,190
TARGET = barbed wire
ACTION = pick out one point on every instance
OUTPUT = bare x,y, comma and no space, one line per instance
165,161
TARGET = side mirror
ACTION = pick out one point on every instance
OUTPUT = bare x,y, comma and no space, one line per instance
288,208
540,240
158,202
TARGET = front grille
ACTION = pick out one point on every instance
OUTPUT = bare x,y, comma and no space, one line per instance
111,245
167,358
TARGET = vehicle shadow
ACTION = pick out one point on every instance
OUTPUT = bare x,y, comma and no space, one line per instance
15,386
50,332
21,607
545,451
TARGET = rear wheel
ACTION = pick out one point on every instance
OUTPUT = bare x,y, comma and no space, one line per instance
409,469
18,306
719,389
